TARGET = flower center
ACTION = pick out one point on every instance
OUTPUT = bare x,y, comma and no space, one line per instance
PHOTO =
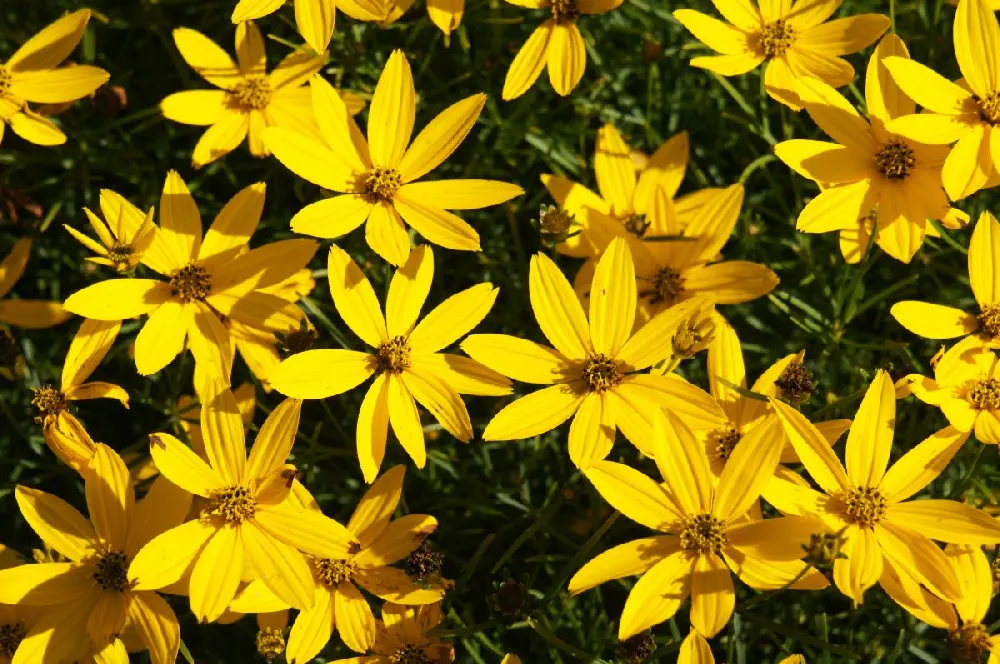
601,372
565,11
235,504
995,573
253,92
667,286
722,442
298,341
895,160
111,571
11,636
331,573
989,322
270,643
394,355
693,336
5,80
796,382
381,183
638,648
969,644
704,533
984,394
823,550
554,221
423,562
865,506
47,400
989,107
191,282
636,224
120,256
410,655
775,38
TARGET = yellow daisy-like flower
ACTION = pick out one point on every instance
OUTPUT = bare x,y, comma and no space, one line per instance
377,177
63,433
796,40
90,599
32,74
403,635
446,15
16,620
556,44
29,314
249,99
704,531
247,519
120,247
406,359
965,111
338,603
313,18
593,373
208,278
966,387
938,321
868,505
968,637
868,167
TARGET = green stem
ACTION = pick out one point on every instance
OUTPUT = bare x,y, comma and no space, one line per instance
558,643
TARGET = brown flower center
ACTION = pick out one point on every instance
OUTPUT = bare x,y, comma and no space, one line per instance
722,442
895,160
796,382
394,355
865,506
120,256
331,573
191,282
984,394
989,107
554,220
252,93
969,644
5,80
565,11
235,504
989,322
636,224
111,571
775,38
638,648
423,562
704,533
11,636
410,654
270,643
667,287
601,372
381,183
48,401
823,550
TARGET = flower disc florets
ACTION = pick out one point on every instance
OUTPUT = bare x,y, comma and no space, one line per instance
5,80
394,355
601,372
120,256
554,220
270,643
722,442
865,506
565,11
235,504
331,572
191,282
381,183
11,636
252,93
984,394
423,562
636,224
410,654
667,286
637,648
989,107
969,644
796,382
111,571
704,533
775,38
989,322
47,400
895,160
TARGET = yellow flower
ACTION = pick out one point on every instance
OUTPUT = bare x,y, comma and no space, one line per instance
793,659
249,99
703,531
246,521
32,74
406,359
637,201
90,599
968,638
965,111
403,636
207,279
29,314
376,177
557,44
123,241
938,321
966,387
674,271
592,374
337,600
63,433
868,505
446,15
868,167
313,18
795,39
16,620
695,650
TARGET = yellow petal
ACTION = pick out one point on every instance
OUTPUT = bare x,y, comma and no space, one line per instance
885,99
377,506
520,359
977,45
195,107
829,163
287,79
534,414
682,463
405,420
870,438
748,471
355,298
59,525
695,650
615,172
731,282
155,622
460,194
861,565
436,225
446,14
279,566
167,557
390,118
946,521
927,87
566,57
718,36
36,129
917,600
657,596
315,20
234,225
251,9
592,432
727,65
116,299
45,584
307,530
439,139
557,309
318,374
910,551
275,438
464,375
613,299
332,217
222,432
845,35
338,127
628,559
835,115
634,495
52,44
692,404
934,321
373,427
969,164
312,628
180,221
210,344
712,595
975,579
179,464
89,347
57,86
207,59
396,541
386,234
453,318
393,585
216,574
221,138
310,159
812,448
441,400
836,208
527,65
164,506
355,622
162,337
110,498
984,251
408,291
